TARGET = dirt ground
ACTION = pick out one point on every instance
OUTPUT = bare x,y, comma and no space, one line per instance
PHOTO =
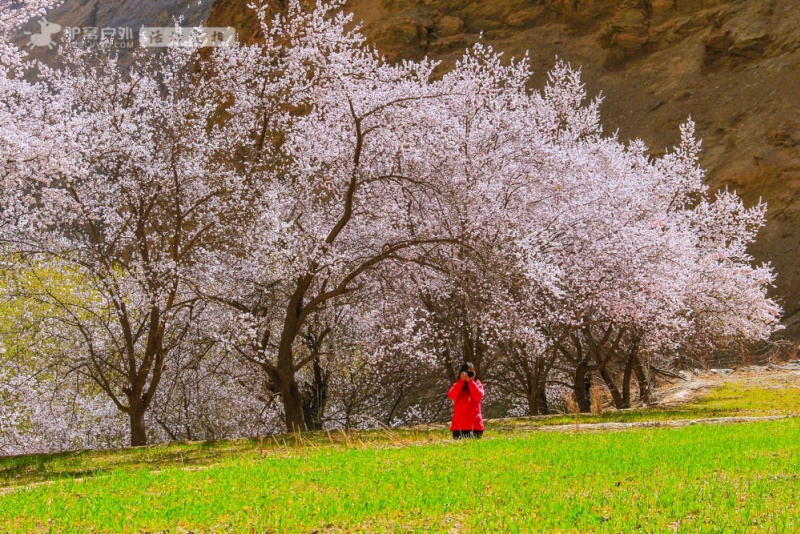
695,384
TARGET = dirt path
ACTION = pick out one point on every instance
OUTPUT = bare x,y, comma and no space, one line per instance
600,427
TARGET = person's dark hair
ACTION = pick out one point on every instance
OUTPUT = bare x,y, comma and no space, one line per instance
465,367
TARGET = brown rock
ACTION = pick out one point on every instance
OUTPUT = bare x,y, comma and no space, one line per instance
406,34
750,47
525,18
630,41
448,26
719,41
449,45
787,136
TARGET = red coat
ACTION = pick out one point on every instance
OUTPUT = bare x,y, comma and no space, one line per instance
466,405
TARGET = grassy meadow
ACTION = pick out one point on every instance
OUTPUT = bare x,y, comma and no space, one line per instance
699,478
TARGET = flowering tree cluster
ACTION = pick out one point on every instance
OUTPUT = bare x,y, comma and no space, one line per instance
299,230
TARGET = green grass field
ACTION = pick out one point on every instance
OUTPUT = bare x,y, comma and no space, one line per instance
700,478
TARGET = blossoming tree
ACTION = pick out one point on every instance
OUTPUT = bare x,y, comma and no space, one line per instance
301,204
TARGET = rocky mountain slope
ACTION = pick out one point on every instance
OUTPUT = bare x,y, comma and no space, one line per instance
97,14
732,65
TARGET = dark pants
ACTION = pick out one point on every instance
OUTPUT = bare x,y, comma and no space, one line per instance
458,434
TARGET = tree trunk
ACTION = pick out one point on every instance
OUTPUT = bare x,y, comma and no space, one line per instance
626,382
292,403
285,371
138,427
641,377
612,387
315,397
581,391
628,373
537,394
537,403
389,417
531,394
544,408
533,403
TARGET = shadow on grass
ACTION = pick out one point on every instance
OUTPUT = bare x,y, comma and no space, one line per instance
37,468
40,467
19,470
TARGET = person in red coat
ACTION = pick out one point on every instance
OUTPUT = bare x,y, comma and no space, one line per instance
467,394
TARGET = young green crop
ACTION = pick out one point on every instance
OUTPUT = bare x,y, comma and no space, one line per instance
704,478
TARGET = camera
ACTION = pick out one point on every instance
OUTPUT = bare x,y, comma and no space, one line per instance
470,373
